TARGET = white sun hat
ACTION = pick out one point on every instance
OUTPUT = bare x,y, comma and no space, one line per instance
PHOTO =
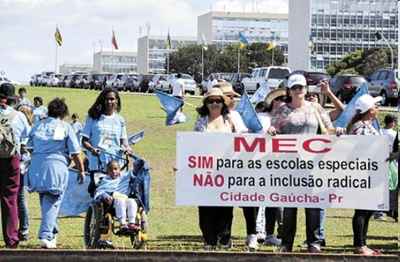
297,80
365,102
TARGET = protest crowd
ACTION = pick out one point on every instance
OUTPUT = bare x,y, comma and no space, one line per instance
38,147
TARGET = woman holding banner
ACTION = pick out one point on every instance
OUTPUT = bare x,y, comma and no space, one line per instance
361,124
250,213
268,216
215,222
299,116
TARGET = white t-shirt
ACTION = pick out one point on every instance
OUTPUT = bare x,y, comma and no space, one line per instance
237,120
178,87
265,120
391,136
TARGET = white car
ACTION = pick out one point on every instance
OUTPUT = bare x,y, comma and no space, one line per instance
159,82
189,83
114,81
273,75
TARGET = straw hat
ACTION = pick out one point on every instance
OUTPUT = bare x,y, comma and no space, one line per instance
226,88
274,94
216,92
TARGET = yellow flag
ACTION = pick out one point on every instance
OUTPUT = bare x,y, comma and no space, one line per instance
271,45
58,37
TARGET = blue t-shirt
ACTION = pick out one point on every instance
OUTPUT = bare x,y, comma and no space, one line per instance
106,134
77,126
53,139
39,113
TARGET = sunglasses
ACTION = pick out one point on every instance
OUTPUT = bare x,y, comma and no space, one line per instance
311,95
280,98
214,101
297,87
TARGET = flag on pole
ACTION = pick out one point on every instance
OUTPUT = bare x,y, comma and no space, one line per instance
271,45
171,106
248,113
58,37
243,40
169,41
114,41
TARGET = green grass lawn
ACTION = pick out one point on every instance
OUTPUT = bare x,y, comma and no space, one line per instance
172,227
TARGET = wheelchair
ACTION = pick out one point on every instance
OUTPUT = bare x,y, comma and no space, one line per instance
100,221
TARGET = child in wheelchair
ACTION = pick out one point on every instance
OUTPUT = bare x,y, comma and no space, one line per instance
113,191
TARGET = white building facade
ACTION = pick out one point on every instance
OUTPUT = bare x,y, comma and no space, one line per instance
115,62
71,68
153,52
222,28
332,28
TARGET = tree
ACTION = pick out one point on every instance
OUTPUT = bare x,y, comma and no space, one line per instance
362,62
188,59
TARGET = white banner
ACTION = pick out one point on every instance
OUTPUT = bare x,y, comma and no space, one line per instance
217,169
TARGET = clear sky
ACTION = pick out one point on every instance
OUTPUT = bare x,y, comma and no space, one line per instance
27,27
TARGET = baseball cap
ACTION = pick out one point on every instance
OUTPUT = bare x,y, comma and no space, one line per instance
297,80
7,90
365,102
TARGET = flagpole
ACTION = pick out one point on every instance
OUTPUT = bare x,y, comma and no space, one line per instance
56,58
168,62
238,60
112,52
273,56
55,69
202,63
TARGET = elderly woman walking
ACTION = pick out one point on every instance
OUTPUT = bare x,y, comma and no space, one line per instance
53,141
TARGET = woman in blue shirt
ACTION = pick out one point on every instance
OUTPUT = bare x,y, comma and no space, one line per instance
53,142
105,130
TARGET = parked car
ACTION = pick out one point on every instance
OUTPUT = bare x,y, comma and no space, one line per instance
131,83
274,75
34,81
159,82
44,78
143,82
84,81
345,86
384,82
67,80
76,80
54,80
117,81
206,83
97,81
189,83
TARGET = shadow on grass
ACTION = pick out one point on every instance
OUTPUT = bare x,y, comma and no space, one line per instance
349,217
393,238
183,238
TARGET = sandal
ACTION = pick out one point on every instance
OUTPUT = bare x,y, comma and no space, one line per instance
366,251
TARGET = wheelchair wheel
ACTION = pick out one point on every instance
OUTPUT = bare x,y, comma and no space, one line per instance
92,228
138,240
